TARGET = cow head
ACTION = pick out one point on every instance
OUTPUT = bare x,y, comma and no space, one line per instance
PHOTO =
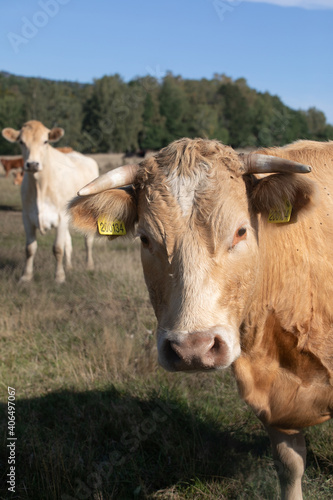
33,138
195,205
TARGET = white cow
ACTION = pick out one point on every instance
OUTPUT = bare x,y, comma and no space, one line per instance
50,181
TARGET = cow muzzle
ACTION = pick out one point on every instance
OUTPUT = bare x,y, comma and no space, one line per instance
199,351
32,166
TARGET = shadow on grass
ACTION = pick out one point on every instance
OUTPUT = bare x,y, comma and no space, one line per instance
10,208
107,444
9,265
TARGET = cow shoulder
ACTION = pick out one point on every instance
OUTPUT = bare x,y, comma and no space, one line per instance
114,204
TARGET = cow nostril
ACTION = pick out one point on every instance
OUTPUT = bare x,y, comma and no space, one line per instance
218,352
216,345
170,353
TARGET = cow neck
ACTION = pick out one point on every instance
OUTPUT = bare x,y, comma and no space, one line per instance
287,293
42,178
283,342
36,191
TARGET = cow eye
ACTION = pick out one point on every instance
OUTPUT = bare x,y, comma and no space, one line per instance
144,241
239,235
46,142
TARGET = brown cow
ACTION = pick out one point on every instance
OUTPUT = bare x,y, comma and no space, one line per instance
11,163
228,285
65,149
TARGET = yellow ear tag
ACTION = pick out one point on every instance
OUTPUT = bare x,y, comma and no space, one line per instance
107,227
277,216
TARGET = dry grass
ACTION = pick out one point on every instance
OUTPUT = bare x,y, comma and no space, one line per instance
96,417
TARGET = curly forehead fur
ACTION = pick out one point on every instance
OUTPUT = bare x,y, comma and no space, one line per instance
186,156
190,173
189,182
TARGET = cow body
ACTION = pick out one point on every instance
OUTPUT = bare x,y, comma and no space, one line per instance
11,164
51,178
230,288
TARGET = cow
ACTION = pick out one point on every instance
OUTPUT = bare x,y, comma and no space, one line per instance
237,256
11,163
51,179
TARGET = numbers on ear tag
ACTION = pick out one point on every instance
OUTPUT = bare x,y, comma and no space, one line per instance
278,216
106,227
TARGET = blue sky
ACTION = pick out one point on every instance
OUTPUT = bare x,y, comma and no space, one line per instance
280,46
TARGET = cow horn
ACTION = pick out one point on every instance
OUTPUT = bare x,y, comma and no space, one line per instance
122,176
264,164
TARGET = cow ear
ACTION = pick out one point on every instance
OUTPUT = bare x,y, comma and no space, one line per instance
55,134
114,205
10,134
273,191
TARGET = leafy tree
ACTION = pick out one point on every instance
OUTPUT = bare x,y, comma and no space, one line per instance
329,132
153,127
236,115
11,115
173,106
111,115
316,123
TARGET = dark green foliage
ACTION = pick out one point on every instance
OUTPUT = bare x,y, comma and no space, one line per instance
236,115
151,135
174,106
113,116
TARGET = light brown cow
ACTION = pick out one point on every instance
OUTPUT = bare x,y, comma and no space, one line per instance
228,286
11,163
51,179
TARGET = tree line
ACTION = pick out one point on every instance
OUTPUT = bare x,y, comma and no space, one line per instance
111,115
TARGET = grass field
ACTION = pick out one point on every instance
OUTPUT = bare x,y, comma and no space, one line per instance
96,418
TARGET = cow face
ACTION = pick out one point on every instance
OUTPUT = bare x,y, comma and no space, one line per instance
33,138
196,215
199,257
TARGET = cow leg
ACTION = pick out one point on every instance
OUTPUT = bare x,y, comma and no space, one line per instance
59,250
89,244
68,250
30,250
289,453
